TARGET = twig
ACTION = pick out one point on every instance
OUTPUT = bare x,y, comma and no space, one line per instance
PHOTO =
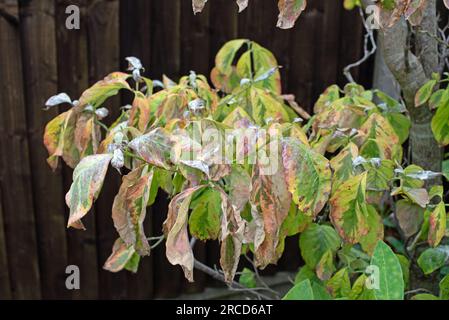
234,286
369,38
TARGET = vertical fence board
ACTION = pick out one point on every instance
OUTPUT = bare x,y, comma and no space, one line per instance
104,54
37,27
73,79
15,174
5,289
135,40
165,59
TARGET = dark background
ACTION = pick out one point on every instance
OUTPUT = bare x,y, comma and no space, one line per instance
40,57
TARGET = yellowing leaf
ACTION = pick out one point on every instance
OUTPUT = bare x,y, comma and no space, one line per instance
140,113
437,224
349,213
204,221
104,89
88,179
308,176
424,93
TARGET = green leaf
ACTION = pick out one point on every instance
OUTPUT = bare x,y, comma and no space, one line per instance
424,296
205,219
405,265
391,281
435,99
444,288
400,124
349,212
226,55
375,231
424,93
308,176
301,291
433,258
316,241
305,273
88,179
248,278
440,123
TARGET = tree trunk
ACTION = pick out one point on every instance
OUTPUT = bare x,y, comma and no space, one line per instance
412,71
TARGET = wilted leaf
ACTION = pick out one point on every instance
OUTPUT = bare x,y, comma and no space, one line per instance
198,5
88,179
391,282
289,12
154,147
349,212
271,197
308,176
129,208
178,250
242,4
57,100
121,256
409,216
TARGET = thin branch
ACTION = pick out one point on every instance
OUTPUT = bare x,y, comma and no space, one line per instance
234,286
369,39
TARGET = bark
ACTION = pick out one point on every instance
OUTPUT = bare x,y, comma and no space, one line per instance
412,71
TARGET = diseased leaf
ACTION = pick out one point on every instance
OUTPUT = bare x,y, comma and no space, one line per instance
198,5
391,281
289,12
424,93
88,179
325,267
104,89
205,219
178,250
57,100
272,200
242,4
308,176
140,113
232,228
129,208
348,209
433,259
409,216
154,147
437,224
120,257
339,286
375,231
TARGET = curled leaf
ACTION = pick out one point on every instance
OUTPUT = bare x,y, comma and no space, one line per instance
289,12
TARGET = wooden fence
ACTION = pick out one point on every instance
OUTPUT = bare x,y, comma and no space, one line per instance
40,57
